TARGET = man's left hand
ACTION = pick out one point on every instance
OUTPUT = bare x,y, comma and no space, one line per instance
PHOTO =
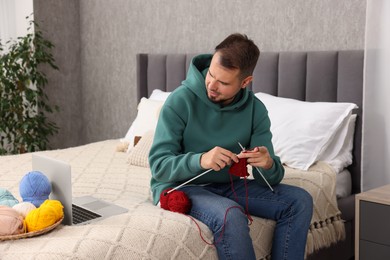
258,156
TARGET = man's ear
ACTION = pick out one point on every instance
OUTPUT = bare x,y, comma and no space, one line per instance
246,81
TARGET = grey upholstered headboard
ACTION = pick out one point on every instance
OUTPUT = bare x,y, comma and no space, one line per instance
331,76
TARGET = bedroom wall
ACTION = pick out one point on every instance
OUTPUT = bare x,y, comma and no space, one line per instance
111,32
60,23
376,124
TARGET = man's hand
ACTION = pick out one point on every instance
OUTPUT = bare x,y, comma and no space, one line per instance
259,157
217,159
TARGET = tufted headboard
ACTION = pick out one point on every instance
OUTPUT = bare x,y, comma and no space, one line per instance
329,76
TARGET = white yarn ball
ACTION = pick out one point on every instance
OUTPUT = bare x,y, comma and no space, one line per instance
24,208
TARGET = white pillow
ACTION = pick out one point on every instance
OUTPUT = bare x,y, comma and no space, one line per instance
303,130
138,156
146,120
343,184
158,94
338,154
141,123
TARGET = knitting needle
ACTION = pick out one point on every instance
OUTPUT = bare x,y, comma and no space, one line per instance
181,185
261,174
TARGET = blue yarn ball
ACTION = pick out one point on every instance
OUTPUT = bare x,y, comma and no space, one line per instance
7,199
35,187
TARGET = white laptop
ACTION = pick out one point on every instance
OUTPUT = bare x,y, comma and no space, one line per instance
77,211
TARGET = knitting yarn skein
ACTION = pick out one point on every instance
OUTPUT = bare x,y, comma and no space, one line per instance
7,199
24,208
35,187
46,215
175,201
11,223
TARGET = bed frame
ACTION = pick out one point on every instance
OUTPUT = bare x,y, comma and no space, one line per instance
329,76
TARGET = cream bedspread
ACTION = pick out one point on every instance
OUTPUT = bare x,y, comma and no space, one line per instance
146,231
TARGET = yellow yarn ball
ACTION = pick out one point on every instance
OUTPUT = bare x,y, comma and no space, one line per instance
46,215
56,206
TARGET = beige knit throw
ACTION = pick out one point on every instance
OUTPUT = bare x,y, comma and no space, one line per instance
326,226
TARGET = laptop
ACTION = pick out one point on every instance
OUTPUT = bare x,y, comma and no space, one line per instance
79,210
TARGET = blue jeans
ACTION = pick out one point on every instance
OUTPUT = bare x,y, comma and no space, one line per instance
291,207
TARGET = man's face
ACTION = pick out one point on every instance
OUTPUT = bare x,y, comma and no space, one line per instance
223,84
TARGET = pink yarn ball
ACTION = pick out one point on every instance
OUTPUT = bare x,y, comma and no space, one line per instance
11,223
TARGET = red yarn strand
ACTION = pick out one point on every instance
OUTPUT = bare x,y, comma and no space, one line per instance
232,188
246,212
247,202
223,227
178,201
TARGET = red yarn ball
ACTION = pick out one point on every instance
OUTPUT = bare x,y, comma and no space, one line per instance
175,201
164,199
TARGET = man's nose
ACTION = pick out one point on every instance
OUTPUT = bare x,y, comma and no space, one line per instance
213,84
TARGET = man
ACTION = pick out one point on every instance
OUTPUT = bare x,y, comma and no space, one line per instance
199,128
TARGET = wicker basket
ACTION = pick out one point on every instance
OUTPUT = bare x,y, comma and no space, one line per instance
32,234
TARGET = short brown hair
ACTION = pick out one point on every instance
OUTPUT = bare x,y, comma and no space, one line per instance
237,51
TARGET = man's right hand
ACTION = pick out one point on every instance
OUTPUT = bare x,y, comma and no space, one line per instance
217,159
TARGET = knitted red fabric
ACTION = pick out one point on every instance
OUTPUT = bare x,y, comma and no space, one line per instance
239,169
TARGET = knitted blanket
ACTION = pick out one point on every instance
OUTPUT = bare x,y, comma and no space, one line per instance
146,231
326,227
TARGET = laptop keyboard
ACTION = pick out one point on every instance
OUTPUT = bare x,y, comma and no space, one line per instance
81,215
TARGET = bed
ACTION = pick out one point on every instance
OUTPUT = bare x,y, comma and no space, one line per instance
117,170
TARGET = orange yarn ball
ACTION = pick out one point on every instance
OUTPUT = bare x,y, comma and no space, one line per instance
46,215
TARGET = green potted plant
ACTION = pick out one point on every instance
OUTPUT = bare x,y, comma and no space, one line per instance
24,106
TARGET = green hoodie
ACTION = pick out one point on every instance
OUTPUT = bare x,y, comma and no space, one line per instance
190,124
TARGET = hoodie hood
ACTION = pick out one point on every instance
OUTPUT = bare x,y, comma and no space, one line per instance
195,82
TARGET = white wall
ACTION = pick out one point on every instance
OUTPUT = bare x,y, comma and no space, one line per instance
13,22
23,8
376,102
